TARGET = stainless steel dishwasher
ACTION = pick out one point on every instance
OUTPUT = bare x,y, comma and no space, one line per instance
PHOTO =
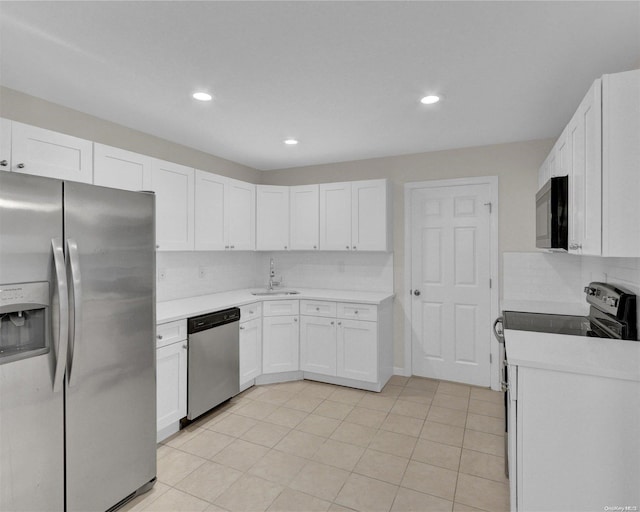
214,360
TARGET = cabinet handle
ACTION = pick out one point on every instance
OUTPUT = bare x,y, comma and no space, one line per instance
354,247
251,312
159,336
4,163
356,311
157,247
295,319
347,247
185,346
315,246
233,246
317,309
332,323
339,323
226,246
242,327
20,166
285,246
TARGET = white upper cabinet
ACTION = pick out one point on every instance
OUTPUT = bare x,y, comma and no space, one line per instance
355,216
621,164
304,217
5,144
51,154
174,188
335,216
118,168
225,213
370,219
241,214
272,218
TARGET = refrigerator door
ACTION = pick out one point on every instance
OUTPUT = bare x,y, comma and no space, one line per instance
111,388
31,412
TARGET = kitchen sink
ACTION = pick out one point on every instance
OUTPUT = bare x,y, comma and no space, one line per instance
265,292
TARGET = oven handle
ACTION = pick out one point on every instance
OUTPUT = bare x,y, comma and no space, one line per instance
498,332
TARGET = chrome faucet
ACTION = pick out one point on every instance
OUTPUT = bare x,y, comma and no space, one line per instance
272,274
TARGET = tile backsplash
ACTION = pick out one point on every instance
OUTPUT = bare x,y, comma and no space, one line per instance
189,274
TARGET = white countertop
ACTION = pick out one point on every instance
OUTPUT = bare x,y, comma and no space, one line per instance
618,359
171,310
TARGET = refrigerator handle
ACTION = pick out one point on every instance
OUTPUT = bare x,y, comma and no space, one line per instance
75,336
63,312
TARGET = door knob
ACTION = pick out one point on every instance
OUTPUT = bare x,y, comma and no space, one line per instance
416,293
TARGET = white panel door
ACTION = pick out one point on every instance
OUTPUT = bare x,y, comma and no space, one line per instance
174,188
585,178
318,345
250,350
335,217
357,350
171,383
272,218
51,154
450,272
369,215
5,144
280,340
305,217
210,212
118,168
241,215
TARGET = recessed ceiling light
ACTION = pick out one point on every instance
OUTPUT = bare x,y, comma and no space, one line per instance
429,100
202,96
290,142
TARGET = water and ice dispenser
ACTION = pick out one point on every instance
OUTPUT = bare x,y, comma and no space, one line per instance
24,314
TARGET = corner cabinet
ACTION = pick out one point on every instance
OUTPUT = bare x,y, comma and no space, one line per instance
174,186
171,377
355,216
304,218
272,218
280,336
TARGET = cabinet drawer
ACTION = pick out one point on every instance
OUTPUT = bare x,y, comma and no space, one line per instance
171,332
250,311
280,307
358,311
318,308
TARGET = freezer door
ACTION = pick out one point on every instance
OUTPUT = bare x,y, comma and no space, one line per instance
111,388
31,413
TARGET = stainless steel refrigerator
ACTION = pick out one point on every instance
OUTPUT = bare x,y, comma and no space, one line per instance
77,352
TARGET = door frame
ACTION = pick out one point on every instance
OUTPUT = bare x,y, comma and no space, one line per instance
492,181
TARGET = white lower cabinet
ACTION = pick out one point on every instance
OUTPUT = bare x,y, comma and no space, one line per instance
250,351
171,381
280,342
358,350
318,345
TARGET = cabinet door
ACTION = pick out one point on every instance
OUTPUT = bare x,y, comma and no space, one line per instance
318,345
51,154
585,178
174,188
305,217
171,382
335,217
563,154
5,144
280,338
117,168
369,222
250,350
241,215
357,350
272,218
210,212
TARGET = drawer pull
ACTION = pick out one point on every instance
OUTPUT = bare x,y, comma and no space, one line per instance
184,346
250,312
317,309
356,312
242,327
159,336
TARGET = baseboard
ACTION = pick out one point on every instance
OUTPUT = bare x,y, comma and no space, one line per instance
401,371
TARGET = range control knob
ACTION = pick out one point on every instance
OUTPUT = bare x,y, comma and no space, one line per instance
610,301
589,290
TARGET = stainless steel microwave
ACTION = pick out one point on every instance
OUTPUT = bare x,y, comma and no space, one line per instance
552,214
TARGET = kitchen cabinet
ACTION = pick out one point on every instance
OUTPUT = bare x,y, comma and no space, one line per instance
174,187
224,213
272,218
304,217
280,336
250,344
51,154
5,144
357,349
318,344
599,152
118,168
171,377
575,449
355,216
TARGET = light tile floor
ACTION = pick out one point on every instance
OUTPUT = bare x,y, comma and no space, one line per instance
419,445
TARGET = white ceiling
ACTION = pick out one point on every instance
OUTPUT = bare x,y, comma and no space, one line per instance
343,77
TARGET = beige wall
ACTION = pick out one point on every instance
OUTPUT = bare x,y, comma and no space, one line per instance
27,109
515,164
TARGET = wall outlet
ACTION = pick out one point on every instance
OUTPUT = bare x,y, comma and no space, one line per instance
202,272
162,274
